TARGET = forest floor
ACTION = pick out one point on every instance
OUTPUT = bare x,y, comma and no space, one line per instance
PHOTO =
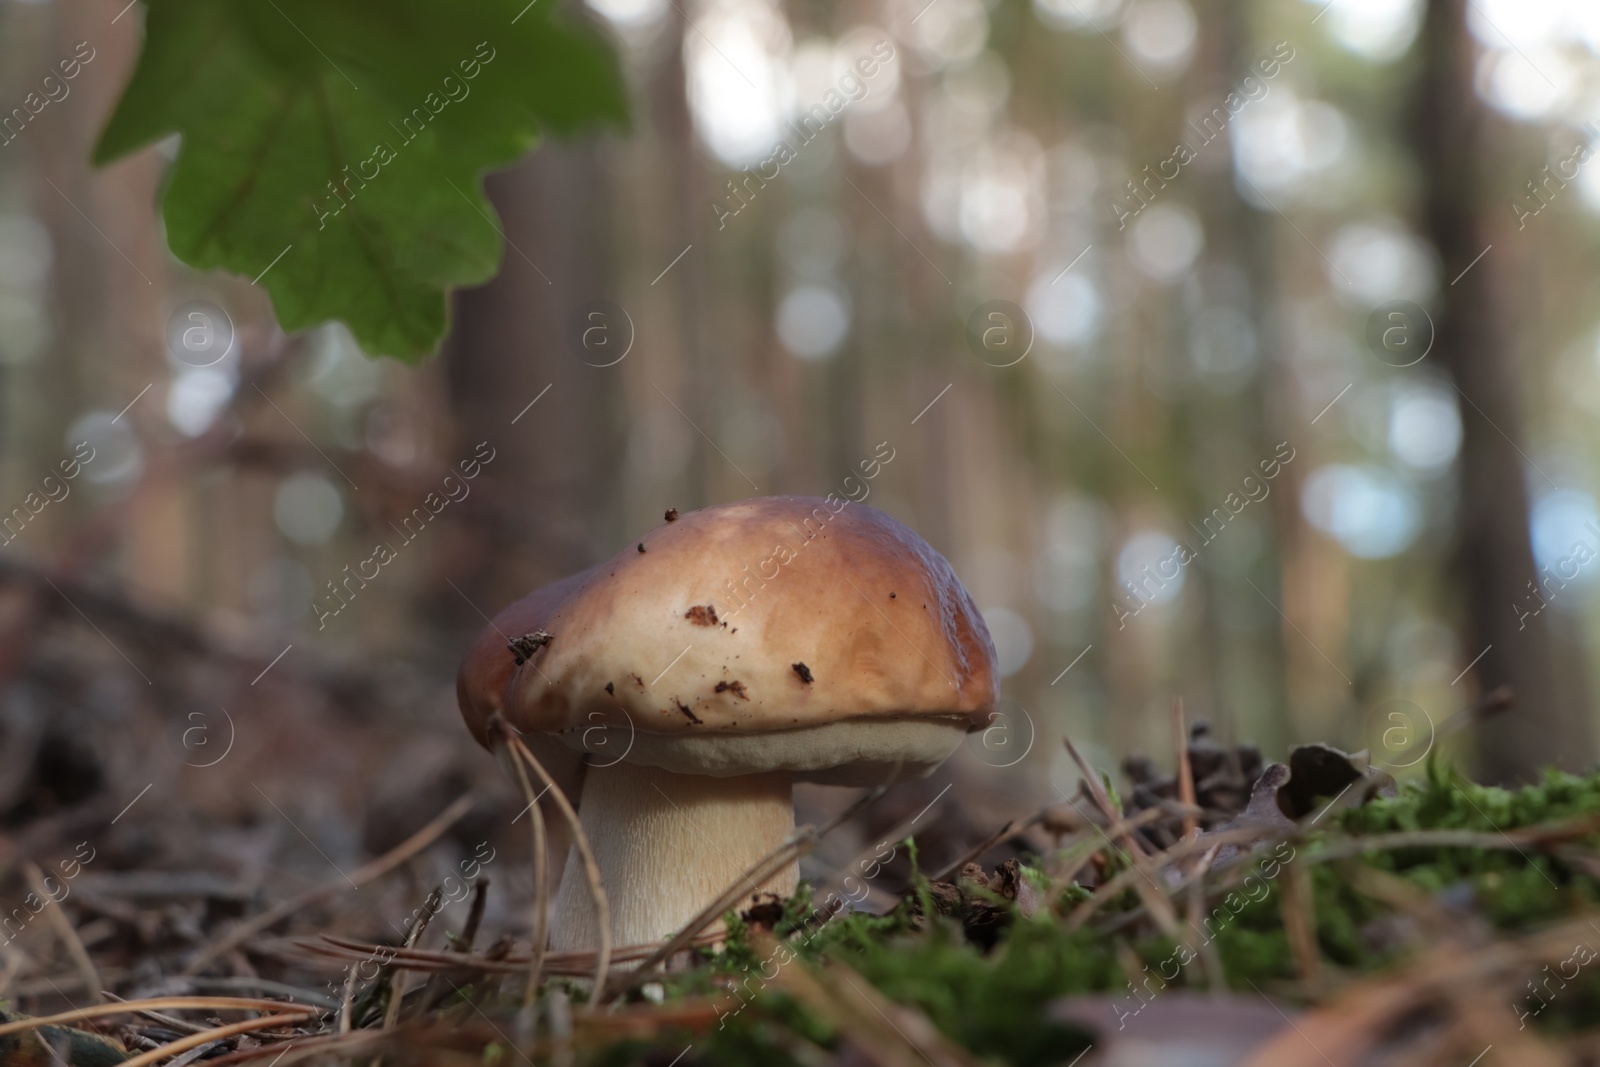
1310,912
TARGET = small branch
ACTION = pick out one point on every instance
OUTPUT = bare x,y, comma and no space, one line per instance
171,1021
1210,957
541,887
397,982
133,1007
1580,826
1096,790
469,931
1005,833
566,964
1180,733
207,1036
347,1001
1123,879
1298,906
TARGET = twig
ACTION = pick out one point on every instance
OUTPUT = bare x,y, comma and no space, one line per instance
195,1053
1096,790
1078,854
439,986
1130,876
567,964
1191,825
642,1022
1580,826
1073,859
1123,826
133,1007
63,927
173,1021
358,878
347,1001
1086,848
1210,957
1492,703
213,1034
397,982
469,930
176,986
1298,905
541,887
1005,833
300,1048
1328,852
1156,901
580,841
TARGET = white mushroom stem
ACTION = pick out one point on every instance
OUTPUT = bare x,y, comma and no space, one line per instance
667,846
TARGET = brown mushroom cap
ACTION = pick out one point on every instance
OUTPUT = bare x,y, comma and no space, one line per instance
783,633
489,667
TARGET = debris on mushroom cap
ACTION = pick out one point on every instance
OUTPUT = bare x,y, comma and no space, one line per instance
702,615
685,709
672,515
487,670
523,648
813,651
641,546
734,687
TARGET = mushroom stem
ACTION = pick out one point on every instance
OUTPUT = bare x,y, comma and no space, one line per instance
667,846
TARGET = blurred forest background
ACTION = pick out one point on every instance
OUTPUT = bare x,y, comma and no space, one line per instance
1375,280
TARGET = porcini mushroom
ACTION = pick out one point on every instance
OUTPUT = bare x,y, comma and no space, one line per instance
749,646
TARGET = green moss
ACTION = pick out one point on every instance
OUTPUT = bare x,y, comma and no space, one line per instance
996,1003
1514,888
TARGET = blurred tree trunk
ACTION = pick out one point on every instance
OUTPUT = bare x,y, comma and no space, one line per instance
550,480
698,373
1550,721
554,467
1239,238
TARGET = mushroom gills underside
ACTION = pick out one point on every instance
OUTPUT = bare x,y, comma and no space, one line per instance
853,752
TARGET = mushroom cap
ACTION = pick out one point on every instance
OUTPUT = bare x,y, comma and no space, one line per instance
490,665
816,636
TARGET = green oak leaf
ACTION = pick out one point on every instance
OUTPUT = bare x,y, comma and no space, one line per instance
338,145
